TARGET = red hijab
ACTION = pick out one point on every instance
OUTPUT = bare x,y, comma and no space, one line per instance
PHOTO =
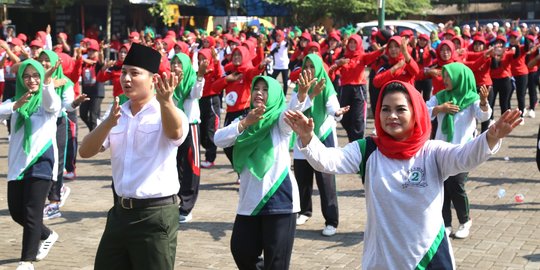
313,44
246,60
393,60
359,47
211,41
183,47
422,127
207,54
452,59
251,47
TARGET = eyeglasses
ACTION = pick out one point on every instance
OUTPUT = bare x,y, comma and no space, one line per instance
28,77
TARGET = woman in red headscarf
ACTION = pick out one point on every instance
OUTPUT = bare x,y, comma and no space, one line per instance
402,158
424,55
353,85
532,65
446,54
519,69
299,51
237,85
399,66
209,105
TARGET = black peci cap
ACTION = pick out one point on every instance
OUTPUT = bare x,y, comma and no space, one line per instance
143,57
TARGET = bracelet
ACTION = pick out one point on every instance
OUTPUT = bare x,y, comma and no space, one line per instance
241,126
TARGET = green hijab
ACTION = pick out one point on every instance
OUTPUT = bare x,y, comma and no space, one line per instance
33,104
182,91
58,73
462,94
318,108
254,148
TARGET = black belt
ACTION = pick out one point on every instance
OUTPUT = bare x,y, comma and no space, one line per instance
132,203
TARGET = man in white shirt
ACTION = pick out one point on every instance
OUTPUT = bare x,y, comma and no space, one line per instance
143,134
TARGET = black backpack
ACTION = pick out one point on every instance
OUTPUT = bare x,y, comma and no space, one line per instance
367,146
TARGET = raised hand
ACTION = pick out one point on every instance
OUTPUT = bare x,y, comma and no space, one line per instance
254,116
203,66
300,124
165,86
79,100
305,81
114,115
59,82
319,87
50,71
24,98
504,125
484,93
342,111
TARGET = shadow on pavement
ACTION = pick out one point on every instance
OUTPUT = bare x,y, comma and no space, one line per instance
532,257
340,239
214,229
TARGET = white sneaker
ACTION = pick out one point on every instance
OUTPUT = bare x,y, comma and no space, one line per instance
64,194
25,266
463,230
69,176
301,219
185,219
448,230
531,114
207,164
522,121
46,246
525,112
329,230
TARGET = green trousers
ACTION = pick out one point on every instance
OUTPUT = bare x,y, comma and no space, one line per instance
139,239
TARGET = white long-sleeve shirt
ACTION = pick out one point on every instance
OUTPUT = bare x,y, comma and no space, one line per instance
404,198
43,140
277,192
464,121
191,104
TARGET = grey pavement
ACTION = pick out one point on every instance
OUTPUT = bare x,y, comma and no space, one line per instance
504,235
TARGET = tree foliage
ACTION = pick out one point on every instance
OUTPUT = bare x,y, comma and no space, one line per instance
343,11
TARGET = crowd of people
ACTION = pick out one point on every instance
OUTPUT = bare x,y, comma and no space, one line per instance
427,94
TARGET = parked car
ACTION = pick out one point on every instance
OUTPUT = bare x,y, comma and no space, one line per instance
418,27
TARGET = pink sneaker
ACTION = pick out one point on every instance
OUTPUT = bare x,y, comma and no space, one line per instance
70,176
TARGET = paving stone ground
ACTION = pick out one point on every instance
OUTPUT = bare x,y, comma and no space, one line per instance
504,235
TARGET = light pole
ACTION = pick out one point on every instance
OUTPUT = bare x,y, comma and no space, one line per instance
381,13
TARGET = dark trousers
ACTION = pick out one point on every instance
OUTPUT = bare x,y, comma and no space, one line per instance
373,92
139,239
326,183
503,87
454,194
354,121
532,85
271,234
72,144
284,77
188,166
209,107
90,111
229,117
26,199
521,91
424,87
61,142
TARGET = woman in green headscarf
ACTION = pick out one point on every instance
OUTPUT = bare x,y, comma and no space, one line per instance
33,156
457,108
64,89
268,203
325,111
186,96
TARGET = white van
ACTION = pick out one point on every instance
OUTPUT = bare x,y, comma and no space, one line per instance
418,27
